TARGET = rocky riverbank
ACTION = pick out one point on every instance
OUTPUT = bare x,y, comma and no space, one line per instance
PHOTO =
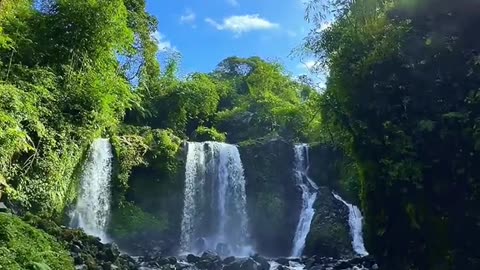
211,261
73,249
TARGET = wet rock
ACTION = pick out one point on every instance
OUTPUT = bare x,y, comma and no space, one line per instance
283,261
192,258
207,264
234,265
229,260
182,265
343,265
166,261
309,262
75,249
250,264
210,255
263,263
112,252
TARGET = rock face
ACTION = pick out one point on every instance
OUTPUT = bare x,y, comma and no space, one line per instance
330,233
272,197
274,201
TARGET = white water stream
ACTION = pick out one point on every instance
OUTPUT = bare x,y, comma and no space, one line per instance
355,220
92,210
214,213
309,195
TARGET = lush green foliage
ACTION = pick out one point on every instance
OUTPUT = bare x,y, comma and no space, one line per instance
203,134
137,147
402,97
61,85
25,247
244,98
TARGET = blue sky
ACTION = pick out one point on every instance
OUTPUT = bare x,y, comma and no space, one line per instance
205,32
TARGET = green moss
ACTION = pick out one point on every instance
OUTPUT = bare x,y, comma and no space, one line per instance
141,147
328,239
25,247
146,181
272,206
128,220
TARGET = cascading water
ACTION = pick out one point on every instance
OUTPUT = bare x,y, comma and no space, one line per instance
92,210
355,219
309,195
214,213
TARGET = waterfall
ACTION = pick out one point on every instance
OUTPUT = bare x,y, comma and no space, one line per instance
355,221
92,210
309,195
214,213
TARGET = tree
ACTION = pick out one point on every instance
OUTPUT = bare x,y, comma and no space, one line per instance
401,93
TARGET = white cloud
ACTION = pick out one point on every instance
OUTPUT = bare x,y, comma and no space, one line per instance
163,44
242,24
233,2
188,17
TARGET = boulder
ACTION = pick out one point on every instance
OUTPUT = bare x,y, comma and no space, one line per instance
112,252
249,264
192,258
263,263
235,265
207,264
228,260
283,261
166,261
210,255
330,232
75,249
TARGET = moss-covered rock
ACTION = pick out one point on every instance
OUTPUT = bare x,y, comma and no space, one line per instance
87,252
137,231
272,197
25,247
329,232
148,184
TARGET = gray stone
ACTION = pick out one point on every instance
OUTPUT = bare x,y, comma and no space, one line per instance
81,267
3,208
192,258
